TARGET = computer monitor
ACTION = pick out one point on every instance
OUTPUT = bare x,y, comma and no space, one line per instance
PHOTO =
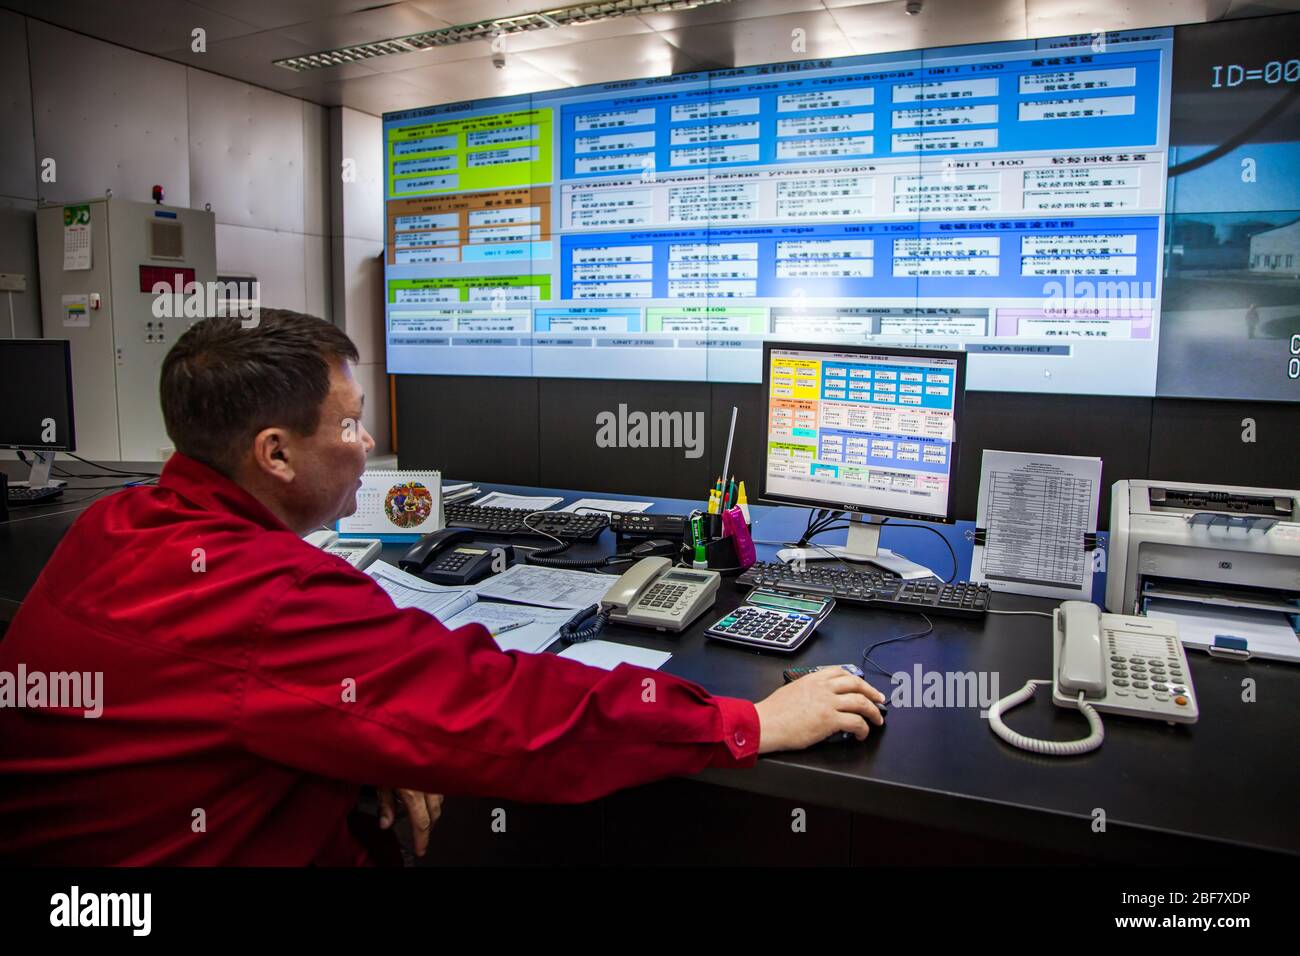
866,429
36,414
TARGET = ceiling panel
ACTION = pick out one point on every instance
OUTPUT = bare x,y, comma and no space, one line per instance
375,94
728,12
478,79
474,11
885,27
151,26
1048,18
769,40
251,59
619,58
281,13
367,26
244,36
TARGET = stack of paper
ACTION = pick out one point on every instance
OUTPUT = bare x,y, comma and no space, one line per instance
407,590
453,493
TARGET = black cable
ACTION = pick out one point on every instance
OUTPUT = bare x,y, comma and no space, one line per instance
951,553
543,557
116,471
866,655
584,625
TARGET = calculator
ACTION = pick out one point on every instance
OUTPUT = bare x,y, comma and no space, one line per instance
772,620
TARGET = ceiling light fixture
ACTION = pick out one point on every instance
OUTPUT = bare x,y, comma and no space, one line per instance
574,15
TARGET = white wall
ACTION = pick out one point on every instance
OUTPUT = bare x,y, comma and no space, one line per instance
112,118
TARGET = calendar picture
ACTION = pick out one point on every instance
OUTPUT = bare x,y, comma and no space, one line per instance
408,504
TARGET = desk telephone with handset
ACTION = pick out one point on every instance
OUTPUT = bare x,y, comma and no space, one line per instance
651,593
1107,663
358,552
450,557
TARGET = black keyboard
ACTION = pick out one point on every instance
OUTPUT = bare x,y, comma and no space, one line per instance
879,589
510,521
22,495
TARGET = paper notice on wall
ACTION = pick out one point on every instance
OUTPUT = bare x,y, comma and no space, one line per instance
76,238
76,311
1035,520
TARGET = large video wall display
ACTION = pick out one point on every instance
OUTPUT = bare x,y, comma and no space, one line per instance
1230,324
1008,199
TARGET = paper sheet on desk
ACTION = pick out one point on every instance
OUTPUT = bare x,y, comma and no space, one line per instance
608,655
606,505
531,638
1267,633
546,587
498,499
407,590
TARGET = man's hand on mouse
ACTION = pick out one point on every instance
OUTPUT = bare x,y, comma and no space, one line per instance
810,709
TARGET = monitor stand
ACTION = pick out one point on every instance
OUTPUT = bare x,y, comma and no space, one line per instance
40,474
863,545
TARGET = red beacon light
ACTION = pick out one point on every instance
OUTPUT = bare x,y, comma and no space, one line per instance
158,194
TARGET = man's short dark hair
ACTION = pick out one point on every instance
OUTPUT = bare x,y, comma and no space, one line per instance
222,383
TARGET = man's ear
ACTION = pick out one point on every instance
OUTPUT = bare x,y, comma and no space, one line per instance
273,454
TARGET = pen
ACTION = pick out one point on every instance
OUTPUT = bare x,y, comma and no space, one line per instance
513,625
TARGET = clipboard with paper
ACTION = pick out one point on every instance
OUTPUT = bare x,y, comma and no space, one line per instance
1036,524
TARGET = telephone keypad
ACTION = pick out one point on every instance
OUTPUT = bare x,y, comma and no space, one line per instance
1148,669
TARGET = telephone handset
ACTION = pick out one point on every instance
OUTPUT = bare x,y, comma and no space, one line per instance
1076,627
653,593
358,552
1107,663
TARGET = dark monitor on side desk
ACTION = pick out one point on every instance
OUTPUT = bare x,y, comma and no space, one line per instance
36,411
872,430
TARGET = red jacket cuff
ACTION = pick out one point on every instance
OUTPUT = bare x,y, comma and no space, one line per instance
739,733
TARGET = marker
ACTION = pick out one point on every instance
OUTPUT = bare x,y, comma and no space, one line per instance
743,503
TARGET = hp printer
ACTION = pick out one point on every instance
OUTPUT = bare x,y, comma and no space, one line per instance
1209,554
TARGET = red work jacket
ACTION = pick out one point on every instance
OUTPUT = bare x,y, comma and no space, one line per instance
251,683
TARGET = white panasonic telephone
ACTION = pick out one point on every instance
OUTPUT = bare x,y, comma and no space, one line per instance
1110,663
653,593
358,552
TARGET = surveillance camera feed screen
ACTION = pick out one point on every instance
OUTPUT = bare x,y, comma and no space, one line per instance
1111,214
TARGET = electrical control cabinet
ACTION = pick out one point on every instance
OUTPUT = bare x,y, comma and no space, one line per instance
100,262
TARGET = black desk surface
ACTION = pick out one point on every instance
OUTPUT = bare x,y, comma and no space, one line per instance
1165,794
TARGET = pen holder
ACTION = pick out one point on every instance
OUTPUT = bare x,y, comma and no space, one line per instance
737,532
721,555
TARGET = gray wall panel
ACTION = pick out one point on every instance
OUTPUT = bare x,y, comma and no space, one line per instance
277,259
18,254
17,145
315,170
246,153
111,118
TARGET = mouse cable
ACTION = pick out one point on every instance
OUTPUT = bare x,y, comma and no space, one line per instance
866,655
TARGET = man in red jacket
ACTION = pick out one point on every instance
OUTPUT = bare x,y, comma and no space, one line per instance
251,683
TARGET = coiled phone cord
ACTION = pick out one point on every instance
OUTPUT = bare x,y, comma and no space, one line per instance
1052,748
584,625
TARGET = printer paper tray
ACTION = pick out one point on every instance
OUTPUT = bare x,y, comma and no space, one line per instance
1222,597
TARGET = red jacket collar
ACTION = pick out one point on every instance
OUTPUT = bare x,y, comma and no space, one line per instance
213,491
